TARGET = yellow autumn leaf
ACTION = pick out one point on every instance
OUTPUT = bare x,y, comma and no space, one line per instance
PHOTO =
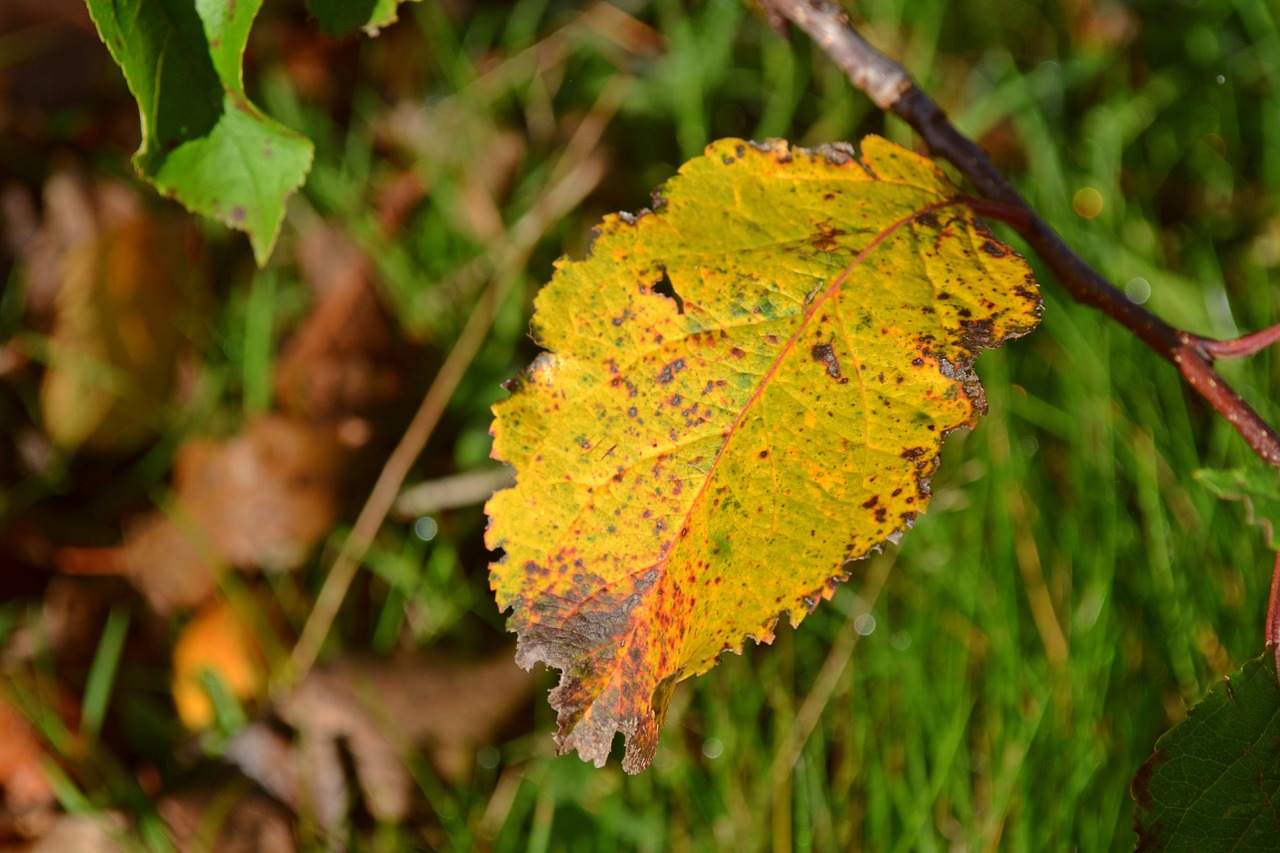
742,391
215,642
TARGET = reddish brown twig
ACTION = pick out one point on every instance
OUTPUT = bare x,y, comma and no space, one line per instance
1243,346
1272,635
892,89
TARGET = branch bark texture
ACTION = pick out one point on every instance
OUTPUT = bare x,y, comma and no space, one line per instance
891,88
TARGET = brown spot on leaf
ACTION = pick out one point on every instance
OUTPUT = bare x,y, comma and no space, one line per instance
825,353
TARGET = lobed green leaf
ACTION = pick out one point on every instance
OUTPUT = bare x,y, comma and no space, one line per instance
203,142
1213,782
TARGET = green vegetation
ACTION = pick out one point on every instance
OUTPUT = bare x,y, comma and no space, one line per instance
996,681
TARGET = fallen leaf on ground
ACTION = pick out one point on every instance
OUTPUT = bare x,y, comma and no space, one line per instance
347,359
259,500
123,285
67,630
205,820
381,709
215,643
487,178
78,833
27,803
398,196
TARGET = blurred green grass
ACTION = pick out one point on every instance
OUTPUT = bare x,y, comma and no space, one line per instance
993,683
1072,588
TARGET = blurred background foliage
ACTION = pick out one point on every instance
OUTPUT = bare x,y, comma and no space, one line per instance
993,683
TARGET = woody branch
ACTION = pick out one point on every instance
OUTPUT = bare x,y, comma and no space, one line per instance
891,88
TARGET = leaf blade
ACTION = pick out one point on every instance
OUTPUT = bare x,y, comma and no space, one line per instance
1231,740
660,433
342,17
203,142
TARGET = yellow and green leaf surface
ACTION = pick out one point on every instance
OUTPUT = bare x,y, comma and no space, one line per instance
742,391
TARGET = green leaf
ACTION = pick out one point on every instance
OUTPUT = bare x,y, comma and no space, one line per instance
1258,488
203,142
744,390
341,17
1213,782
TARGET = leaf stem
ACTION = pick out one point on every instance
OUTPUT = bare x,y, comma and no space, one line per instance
891,88
1243,346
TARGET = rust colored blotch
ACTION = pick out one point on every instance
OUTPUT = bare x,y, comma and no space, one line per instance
669,371
826,354
993,249
764,454
871,501
825,239
1141,787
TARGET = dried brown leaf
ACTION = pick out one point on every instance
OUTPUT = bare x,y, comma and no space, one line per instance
27,802
380,709
68,627
122,280
82,833
346,359
259,500
202,820
396,199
